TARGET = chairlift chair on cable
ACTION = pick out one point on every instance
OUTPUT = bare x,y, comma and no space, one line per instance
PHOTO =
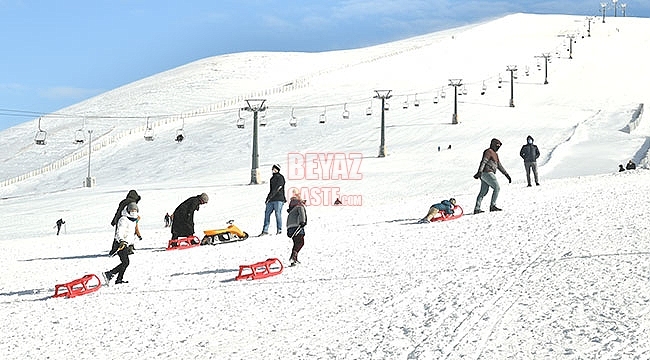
263,120
180,133
463,91
443,94
416,102
435,99
241,123
41,134
405,105
79,136
483,88
500,81
346,113
323,117
148,133
527,70
293,121
369,109
386,105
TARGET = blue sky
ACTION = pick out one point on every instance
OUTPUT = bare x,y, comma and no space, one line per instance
58,53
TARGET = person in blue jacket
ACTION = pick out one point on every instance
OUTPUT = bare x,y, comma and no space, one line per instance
445,206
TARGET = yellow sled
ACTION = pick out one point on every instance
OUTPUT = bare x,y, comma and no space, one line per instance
229,234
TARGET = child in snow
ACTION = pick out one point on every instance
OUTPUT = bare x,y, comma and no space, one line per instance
446,206
124,231
296,222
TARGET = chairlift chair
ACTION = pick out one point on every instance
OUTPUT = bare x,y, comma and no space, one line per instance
443,94
483,88
322,118
149,133
346,113
405,105
386,106
240,121
180,135
500,81
435,99
416,102
41,134
79,137
527,70
293,121
263,120
464,90
369,109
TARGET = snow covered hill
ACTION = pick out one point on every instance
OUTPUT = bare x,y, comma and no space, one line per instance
561,272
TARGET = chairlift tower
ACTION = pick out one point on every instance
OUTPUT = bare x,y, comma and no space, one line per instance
455,83
603,7
545,56
90,180
589,19
615,2
255,105
623,6
512,69
383,95
570,37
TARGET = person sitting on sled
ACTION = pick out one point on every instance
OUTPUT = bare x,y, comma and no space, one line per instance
445,206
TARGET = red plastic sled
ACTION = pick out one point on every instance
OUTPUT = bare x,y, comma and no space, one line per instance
78,287
260,270
443,216
183,243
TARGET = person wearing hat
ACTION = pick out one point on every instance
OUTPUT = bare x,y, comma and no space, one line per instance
131,196
183,224
530,153
445,206
274,201
124,230
487,173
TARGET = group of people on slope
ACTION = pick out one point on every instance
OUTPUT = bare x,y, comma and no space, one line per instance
630,166
487,169
297,214
126,218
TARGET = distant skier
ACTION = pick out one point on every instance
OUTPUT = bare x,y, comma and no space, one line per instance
296,222
487,173
274,201
168,220
620,168
183,224
530,153
630,165
59,223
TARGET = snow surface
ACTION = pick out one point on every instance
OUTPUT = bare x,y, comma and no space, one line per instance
562,272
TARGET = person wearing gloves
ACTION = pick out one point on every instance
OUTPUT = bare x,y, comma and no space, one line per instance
131,196
296,222
530,153
124,231
487,173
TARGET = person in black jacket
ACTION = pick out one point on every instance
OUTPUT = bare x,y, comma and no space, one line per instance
530,153
132,196
58,225
183,224
274,201
630,165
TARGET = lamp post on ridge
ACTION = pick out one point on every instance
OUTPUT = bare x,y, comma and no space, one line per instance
383,95
455,83
255,105
90,181
512,69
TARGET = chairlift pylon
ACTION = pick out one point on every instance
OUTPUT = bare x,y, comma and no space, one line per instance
149,133
41,134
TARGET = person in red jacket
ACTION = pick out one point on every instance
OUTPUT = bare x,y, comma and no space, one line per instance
487,173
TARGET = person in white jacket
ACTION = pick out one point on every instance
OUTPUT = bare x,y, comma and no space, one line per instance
124,231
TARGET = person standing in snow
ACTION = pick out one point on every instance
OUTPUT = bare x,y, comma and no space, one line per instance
131,196
58,226
274,201
530,153
487,173
183,223
630,165
296,222
124,230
